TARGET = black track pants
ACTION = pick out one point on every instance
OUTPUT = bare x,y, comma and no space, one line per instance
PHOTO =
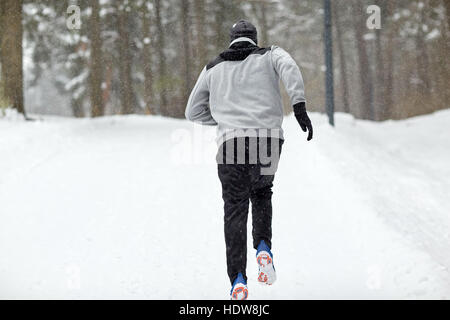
242,183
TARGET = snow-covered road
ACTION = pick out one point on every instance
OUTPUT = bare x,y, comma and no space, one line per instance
130,207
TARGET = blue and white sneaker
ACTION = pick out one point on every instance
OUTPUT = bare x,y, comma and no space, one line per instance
264,258
239,291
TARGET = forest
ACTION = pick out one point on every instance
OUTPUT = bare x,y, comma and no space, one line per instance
143,56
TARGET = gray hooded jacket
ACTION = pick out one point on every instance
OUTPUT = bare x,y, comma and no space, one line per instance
243,97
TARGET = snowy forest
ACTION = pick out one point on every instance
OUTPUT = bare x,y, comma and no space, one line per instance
143,57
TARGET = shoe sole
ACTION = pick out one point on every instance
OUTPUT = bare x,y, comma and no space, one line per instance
266,274
240,292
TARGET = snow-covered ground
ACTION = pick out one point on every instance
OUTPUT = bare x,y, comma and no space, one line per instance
130,207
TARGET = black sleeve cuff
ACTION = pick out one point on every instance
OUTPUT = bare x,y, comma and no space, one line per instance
300,108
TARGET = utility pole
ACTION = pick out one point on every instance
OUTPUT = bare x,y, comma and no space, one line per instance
329,62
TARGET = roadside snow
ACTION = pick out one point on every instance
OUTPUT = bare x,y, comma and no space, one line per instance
130,207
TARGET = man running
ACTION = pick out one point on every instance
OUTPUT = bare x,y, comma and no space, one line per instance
239,93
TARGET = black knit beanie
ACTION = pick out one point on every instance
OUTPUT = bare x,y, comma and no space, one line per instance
243,28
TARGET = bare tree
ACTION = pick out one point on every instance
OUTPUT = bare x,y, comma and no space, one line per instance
185,40
147,58
220,18
125,62
365,74
447,12
387,107
379,71
12,53
201,40
260,11
96,65
1,55
422,55
161,58
342,58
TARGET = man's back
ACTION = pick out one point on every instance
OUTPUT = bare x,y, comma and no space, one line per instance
245,94
239,90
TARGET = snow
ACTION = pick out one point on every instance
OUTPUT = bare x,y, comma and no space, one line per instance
130,207
435,33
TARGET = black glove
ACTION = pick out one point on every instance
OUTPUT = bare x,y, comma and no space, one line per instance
303,119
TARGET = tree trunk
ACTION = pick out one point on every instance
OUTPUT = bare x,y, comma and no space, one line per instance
220,17
1,29
126,89
226,12
161,59
365,73
260,11
12,53
389,70
96,67
108,80
200,33
2,97
447,12
77,107
422,56
264,25
147,60
342,59
444,49
380,94
187,78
